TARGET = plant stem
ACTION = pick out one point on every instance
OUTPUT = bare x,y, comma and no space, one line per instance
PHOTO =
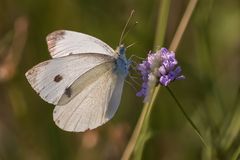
162,23
187,117
148,106
182,25
132,142
161,27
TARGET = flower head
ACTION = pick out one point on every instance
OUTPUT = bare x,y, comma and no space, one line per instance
159,68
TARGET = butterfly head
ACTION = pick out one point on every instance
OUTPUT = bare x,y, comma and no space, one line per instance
121,50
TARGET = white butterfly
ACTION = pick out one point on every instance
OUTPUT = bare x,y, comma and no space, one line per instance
84,80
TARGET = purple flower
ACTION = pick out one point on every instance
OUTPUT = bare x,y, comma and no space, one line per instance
143,91
159,68
144,68
165,80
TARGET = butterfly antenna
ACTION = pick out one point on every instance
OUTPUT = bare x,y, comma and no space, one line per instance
125,35
124,29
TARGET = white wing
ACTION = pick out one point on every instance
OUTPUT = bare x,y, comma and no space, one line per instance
62,43
52,78
92,107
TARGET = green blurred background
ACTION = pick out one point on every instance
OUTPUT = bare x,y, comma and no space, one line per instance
208,54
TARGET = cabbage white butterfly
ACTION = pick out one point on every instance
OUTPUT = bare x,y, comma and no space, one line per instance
84,80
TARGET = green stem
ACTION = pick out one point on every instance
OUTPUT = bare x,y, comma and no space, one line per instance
187,117
144,117
162,23
141,126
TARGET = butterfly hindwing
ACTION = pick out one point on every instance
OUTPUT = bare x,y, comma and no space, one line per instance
84,81
93,106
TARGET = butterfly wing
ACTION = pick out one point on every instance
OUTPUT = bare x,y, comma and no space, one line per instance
80,80
62,43
93,106
52,78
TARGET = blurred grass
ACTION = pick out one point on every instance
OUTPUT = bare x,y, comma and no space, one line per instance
209,56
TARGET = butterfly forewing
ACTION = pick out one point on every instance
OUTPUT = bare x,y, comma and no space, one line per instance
62,43
51,78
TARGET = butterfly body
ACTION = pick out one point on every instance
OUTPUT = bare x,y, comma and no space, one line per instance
84,80
122,63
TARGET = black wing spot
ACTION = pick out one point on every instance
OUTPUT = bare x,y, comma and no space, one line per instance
68,92
58,78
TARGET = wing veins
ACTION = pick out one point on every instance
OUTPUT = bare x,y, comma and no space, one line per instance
85,80
74,110
105,107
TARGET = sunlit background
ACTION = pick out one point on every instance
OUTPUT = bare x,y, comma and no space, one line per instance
209,54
